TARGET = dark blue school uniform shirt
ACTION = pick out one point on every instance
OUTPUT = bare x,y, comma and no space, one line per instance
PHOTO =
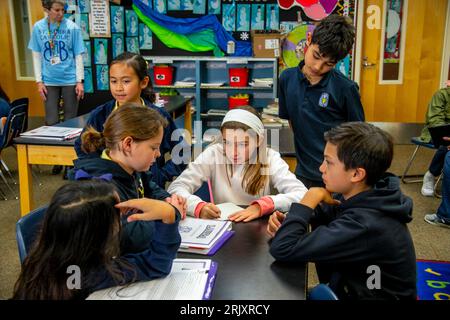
315,109
162,171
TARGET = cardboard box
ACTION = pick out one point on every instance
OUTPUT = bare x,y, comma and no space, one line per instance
266,45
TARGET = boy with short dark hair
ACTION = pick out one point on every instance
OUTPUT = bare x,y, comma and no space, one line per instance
315,97
360,242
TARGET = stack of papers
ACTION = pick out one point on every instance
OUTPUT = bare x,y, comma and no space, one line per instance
203,236
53,133
212,84
262,82
216,112
184,83
189,279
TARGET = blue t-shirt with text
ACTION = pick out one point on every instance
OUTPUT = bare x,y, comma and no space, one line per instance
68,43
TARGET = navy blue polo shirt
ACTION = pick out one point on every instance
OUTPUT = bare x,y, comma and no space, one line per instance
315,109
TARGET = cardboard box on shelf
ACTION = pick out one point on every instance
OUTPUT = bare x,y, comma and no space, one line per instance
266,45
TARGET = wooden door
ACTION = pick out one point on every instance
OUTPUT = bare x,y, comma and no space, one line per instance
423,51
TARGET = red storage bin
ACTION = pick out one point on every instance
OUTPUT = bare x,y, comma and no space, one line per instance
236,102
238,77
163,75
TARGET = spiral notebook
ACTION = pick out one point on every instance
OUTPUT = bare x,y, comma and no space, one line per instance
189,279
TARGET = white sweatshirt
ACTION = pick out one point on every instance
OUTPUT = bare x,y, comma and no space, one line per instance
210,164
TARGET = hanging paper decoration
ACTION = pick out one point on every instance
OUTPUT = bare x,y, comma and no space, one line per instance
315,9
191,34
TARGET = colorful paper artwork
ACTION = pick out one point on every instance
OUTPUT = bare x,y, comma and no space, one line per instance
314,9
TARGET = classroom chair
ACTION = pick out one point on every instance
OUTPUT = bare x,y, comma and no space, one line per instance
26,231
15,124
419,143
322,292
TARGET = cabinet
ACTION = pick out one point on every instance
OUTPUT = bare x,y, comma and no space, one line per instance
202,71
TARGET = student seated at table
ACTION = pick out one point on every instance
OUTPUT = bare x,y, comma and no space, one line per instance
242,170
130,82
130,142
360,241
81,228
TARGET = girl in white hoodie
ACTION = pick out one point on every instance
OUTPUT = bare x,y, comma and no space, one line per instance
241,170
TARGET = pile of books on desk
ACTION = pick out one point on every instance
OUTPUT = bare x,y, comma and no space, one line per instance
203,236
53,133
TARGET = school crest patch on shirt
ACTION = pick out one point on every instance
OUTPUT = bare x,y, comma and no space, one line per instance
323,101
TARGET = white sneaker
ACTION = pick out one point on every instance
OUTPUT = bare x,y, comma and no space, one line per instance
428,185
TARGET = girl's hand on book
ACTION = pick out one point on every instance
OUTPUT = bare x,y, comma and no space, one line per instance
252,212
210,211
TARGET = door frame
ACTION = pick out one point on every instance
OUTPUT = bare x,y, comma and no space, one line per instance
446,53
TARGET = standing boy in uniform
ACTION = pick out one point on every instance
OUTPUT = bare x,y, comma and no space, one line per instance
315,97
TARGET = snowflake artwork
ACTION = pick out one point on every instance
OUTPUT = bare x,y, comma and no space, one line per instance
244,36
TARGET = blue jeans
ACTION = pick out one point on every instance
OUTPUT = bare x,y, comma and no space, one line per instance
437,163
443,211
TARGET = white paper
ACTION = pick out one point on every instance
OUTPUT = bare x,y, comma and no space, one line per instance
201,233
186,281
227,209
54,132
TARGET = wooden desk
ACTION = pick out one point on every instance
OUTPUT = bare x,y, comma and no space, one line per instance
247,271
48,152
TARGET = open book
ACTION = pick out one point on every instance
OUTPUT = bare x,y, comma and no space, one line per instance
203,236
189,279
53,133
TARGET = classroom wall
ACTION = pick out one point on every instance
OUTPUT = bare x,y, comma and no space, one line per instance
422,67
14,88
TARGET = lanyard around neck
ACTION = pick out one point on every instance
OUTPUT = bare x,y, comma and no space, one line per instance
51,38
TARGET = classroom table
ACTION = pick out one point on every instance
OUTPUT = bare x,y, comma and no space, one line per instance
53,152
247,271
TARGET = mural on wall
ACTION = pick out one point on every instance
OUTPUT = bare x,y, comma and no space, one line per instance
134,28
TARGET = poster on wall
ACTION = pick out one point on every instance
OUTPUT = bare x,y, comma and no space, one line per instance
228,17
199,6
102,72
160,6
145,37
132,23
393,31
84,6
101,51
99,23
243,17
272,17
88,87
117,19
87,54
257,17
118,44
132,44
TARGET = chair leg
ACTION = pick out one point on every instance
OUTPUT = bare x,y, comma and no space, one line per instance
3,195
408,166
6,183
436,193
7,171
36,177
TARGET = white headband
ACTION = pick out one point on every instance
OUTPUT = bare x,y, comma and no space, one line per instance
245,117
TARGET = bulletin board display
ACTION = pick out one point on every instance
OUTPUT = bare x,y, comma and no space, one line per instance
110,28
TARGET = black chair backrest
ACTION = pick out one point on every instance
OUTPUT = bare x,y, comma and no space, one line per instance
16,123
27,229
19,102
